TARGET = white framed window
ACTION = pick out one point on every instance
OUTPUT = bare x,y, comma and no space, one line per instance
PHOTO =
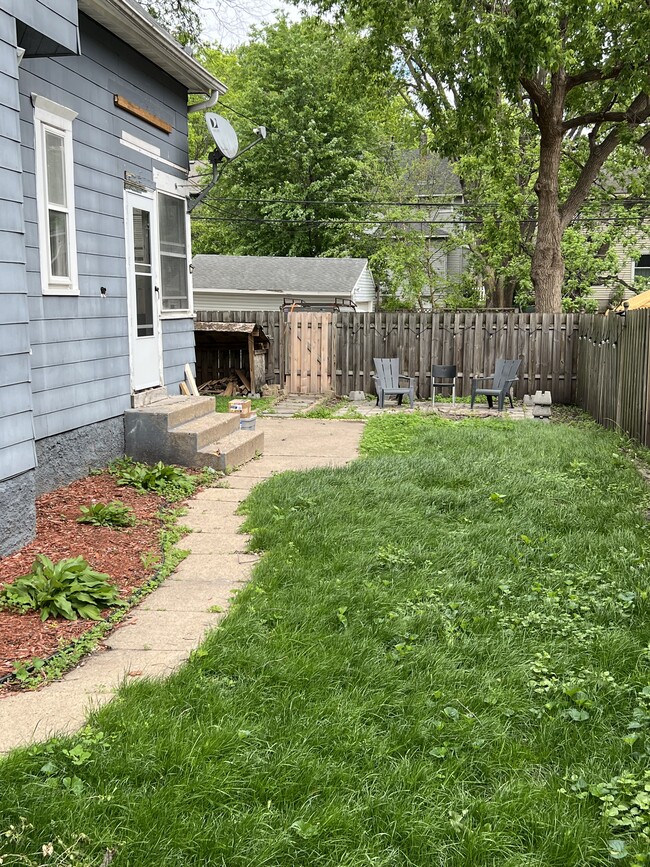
642,266
55,196
174,253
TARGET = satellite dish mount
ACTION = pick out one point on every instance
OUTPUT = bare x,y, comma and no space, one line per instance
226,147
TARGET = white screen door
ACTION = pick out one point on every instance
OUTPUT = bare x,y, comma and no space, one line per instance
144,292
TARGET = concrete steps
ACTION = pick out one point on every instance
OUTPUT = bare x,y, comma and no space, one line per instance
188,432
234,450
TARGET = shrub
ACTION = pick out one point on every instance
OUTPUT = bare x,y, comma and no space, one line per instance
113,514
69,588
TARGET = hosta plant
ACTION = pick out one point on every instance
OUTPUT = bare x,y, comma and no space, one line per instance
164,479
114,514
69,588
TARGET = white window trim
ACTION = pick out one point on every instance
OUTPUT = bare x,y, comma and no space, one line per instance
635,266
167,185
48,114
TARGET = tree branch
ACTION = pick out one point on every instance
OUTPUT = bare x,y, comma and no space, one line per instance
634,114
412,105
637,112
535,90
588,75
417,74
598,117
644,141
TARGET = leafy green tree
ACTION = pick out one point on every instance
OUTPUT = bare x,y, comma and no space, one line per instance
499,216
180,17
330,147
578,69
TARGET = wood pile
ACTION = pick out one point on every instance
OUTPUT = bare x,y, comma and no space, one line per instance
233,385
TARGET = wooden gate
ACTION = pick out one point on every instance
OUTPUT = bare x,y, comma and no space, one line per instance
308,363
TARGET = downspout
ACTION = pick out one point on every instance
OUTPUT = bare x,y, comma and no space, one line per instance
207,103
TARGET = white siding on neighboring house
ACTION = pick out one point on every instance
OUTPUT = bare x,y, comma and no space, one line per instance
234,299
205,299
456,262
626,273
363,294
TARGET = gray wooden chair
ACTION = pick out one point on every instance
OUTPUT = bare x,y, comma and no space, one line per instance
387,381
505,374
446,372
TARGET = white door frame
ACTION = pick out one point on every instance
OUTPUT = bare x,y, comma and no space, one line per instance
145,351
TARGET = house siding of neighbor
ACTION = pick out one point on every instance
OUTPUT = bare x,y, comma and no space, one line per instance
630,270
265,282
68,347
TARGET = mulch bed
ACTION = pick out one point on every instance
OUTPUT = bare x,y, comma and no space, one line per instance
58,535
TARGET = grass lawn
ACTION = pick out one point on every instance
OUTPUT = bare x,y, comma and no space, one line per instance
443,660
258,404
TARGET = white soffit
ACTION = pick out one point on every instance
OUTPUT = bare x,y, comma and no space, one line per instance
129,22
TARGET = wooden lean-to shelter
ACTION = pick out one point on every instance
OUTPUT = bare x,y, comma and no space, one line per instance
230,351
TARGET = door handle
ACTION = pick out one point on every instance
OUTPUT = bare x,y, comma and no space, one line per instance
156,289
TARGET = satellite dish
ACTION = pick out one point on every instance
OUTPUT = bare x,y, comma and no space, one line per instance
223,134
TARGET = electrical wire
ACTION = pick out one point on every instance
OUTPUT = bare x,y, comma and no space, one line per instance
424,223
419,204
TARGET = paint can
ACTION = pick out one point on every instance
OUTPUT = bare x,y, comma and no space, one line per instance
248,423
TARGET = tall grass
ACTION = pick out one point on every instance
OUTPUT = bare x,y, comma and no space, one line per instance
441,661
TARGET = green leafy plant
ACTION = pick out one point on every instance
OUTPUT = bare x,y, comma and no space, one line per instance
26,672
169,481
69,588
114,514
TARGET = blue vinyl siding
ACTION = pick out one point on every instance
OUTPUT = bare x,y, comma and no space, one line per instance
178,350
16,418
80,361
53,23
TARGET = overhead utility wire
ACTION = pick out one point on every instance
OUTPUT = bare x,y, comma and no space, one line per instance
252,120
339,222
371,203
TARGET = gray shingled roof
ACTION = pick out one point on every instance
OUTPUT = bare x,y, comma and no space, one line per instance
284,274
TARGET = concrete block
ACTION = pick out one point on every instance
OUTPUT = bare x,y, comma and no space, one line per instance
541,412
17,512
528,400
358,396
542,398
62,458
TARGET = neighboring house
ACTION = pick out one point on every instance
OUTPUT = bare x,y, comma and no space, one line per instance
265,282
633,275
94,236
427,178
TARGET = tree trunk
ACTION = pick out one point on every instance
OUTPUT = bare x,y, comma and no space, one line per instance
499,291
547,269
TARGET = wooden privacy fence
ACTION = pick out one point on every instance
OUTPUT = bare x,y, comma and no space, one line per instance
613,371
546,344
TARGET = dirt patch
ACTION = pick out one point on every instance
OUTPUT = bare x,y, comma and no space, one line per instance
118,553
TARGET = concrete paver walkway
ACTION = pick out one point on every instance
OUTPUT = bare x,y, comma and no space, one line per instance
288,406
160,633
367,408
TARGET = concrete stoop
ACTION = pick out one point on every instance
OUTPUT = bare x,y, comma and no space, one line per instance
187,431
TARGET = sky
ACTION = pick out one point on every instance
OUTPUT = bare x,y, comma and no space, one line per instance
229,21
